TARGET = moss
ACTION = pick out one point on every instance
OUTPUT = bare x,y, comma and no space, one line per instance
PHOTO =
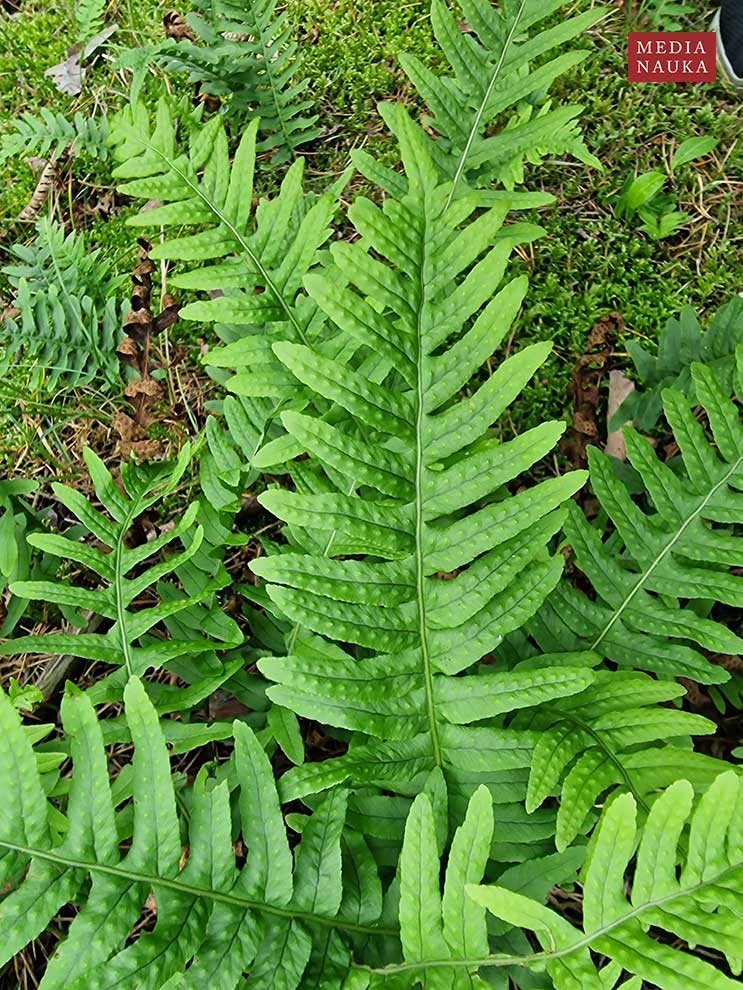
591,262
351,49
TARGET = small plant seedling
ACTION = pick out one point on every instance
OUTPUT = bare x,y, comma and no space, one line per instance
644,195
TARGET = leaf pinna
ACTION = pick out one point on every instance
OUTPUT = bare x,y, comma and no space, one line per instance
683,550
699,904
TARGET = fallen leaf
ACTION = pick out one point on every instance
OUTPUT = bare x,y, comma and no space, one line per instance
43,186
143,386
588,372
176,27
127,429
67,75
619,388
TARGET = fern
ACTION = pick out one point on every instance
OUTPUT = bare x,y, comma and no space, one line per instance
16,519
259,258
69,315
448,942
614,734
49,134
682,342
271,916
412,460
248,59
281,920
89,16
700,905
680,551
128,643
494,73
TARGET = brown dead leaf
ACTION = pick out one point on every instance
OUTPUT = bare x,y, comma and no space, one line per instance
143,386
144,450
134,439
40,194
126,427
588,373
619,388
176,26
127,348
134,350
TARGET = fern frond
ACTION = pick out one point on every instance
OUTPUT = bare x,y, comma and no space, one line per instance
69,314
247,57
48,134
129,643
415,464
445,935
272,917
17,519
263,257
700,905
258,257
497,69
682,342
616,733
89,15
683,549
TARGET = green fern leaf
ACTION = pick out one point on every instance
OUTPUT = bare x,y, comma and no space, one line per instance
682,549
494,71
429,459
698,906
128,643
259,260
70,318
89,16
248,58
49,134
593,742
682,343
214,921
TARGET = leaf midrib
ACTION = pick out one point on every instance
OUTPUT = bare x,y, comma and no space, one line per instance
420,578
223,219
481,109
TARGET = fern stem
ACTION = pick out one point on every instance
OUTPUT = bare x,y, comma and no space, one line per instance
589,730
121,873
481,109
267,56
638,586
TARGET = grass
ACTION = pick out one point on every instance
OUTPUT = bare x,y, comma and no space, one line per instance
589,263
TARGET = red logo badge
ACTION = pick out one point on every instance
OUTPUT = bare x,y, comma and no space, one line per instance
672,56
